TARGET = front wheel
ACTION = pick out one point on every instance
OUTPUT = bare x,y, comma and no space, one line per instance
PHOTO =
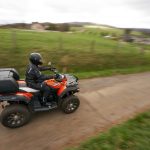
70,104
15,115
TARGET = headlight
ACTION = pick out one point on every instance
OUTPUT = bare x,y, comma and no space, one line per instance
71,80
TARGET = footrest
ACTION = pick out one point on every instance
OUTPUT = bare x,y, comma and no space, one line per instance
46,108
42,109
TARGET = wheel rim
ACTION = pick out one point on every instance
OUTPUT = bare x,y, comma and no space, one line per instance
72,105
15,119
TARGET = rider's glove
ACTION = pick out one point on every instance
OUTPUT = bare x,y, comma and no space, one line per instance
56,76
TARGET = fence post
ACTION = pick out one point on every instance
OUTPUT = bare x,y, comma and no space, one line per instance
118,47
64,69
64,61
60,44
142,49
14,40
92,45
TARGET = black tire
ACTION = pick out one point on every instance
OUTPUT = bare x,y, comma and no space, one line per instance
70,104
15,115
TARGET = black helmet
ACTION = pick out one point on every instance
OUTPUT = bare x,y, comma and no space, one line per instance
36,59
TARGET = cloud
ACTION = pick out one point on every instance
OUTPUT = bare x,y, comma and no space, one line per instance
123,13
140,5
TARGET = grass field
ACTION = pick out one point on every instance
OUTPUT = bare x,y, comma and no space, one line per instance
131,135
86,53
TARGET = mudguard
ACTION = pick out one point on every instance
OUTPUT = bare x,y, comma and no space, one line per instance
72,89
15,98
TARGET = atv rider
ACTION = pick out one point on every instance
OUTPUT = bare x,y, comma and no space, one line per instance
34,78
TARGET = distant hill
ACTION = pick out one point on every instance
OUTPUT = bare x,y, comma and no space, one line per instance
27,26
143,30
76,24
90,24
16,25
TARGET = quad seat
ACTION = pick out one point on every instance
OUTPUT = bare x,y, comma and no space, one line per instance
22,83
27,89
24,88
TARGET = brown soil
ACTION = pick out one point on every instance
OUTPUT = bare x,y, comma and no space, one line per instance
104,102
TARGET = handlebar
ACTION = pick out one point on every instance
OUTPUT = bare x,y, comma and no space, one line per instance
57,75
54,70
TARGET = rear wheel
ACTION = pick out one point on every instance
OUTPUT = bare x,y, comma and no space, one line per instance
15,115
70,104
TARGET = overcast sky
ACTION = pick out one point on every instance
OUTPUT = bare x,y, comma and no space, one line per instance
120,13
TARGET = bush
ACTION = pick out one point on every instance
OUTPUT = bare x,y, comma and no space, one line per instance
52,26
64,27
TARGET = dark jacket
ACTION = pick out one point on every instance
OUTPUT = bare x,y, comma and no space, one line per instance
34,76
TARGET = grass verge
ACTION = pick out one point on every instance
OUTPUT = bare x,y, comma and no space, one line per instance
131,135
110,72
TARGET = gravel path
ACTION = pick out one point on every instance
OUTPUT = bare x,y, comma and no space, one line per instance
104,102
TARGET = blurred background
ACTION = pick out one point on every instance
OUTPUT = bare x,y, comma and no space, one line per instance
89,39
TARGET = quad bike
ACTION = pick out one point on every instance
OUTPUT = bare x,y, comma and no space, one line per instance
19,102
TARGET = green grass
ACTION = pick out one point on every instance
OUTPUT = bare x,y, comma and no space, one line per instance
131,135
111,72
86,54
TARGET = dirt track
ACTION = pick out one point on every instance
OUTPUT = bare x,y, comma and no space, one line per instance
104,102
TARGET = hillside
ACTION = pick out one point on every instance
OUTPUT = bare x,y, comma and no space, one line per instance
85,52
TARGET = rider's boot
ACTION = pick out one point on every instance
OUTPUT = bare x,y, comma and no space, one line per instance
45,103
